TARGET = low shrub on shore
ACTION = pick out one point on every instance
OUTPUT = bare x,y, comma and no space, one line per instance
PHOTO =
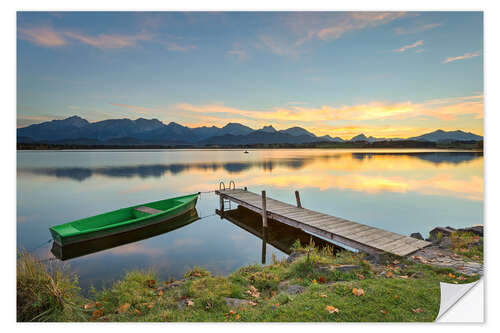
45,292
467,244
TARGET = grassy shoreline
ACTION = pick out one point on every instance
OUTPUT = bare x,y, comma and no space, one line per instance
317,286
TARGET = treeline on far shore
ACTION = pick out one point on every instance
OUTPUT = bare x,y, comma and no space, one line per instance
359,144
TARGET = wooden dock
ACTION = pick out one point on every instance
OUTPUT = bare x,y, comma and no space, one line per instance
355,235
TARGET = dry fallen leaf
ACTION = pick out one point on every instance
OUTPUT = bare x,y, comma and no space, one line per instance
389,274
273,293
461,278
89,305
417,310
159,292
99,304
384,311
358,291
404,276
323,296
123,308
208,306
322,279
253,292
331,309
97,314
395,296
360,276
190,302
252,303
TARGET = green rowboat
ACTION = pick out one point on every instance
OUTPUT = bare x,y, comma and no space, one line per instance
100,244
122,220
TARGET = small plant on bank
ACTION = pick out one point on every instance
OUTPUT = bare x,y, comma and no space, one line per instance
467,244
44,291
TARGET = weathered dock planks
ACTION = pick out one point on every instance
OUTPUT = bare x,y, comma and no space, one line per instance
356,235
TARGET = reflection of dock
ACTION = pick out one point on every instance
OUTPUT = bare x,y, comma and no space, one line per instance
100,244
279,235
358,236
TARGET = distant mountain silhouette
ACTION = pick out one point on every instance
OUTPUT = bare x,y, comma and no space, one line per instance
441,135
78,131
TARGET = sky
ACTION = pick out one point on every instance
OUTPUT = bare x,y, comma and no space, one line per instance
385,74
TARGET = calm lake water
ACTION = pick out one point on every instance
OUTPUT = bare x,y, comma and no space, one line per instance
403,191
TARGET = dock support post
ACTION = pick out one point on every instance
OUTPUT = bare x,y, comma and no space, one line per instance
297,197
221,198
264,210
264,245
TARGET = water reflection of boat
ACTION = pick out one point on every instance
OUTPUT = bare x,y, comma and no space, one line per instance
96,245
279,235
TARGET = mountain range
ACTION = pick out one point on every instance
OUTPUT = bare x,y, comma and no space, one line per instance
76,130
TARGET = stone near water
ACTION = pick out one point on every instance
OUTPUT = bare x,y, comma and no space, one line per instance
347,268
236,302
445,243
417,235
294,256
295,289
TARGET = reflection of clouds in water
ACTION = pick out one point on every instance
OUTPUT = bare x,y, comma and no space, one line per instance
442,184
343,161
129,249
455,174
187,242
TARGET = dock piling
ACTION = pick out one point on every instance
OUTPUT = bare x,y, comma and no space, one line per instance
264,210
297,197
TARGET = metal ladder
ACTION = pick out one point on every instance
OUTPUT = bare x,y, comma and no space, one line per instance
222,186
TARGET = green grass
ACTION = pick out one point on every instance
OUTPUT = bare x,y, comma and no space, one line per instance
468,245
45,292
413,297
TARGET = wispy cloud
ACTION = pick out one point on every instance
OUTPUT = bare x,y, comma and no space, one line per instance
240,55
444,109
171,46
355,21
50,37
305,27
462,57
416,29
109,41
411,46
279,47
43,36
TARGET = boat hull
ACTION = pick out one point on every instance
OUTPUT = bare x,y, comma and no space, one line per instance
79,249
67,233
